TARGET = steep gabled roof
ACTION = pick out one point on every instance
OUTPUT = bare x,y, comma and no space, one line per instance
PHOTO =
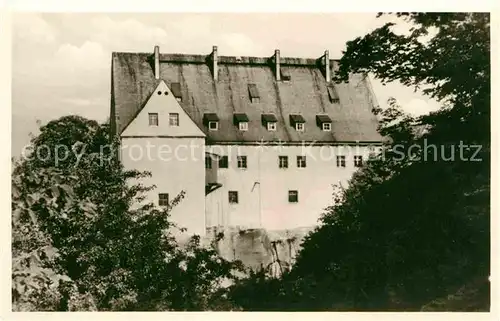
306,94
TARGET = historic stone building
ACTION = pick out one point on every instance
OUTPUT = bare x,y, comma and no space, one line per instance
254,142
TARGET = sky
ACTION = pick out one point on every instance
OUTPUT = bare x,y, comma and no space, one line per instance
61,62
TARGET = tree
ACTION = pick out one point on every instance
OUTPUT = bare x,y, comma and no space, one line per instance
125,257
413,224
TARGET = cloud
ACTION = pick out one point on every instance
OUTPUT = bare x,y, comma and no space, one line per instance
32,29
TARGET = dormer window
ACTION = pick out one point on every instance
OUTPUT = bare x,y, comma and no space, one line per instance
285,74
332,94
175,87
298,122
213,125
270,121
324,122
254,93
211,120
243,126
241,120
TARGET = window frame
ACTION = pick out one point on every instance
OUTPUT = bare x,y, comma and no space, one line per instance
163,201
224,160
301,160
271,126
242,160
208,162
244,127
283,164
341,161
213,122
325,129
173,121
293,196
358,160
233,197
150,117
297,125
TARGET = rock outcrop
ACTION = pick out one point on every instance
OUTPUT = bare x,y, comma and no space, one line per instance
274,251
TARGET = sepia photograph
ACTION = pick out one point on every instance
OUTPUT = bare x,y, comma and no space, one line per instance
251,161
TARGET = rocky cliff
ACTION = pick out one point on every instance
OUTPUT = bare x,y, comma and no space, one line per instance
257,249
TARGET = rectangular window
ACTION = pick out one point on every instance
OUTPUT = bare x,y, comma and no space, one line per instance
301,161
327,127
299,127
223,162
293,196
173,119
153,119
213,125
243,126
233,197
358,161
283,161
208,162
340,161
242,162
163,199
254,93
271,126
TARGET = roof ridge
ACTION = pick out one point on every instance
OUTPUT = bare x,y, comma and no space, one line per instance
202,58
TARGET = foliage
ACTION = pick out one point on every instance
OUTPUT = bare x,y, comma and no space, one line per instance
413,224
117,250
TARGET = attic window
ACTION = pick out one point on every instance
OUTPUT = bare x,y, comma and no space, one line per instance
254,93
269,120
211,120
324,122
297,121
285,75
175,87
332,94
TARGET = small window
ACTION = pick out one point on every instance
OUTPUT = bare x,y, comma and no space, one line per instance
223,162
153,119
299,127
213,125
271,126
242,162
173,119
293,196
254,93
340,161
332,94
233,197
301,161
208,162
163,199
243,126
358,161
283,161
327,127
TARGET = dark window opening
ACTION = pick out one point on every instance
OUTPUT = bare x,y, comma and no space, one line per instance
233,197
283,161
163,199
340,161
242,162
293,196
223,162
